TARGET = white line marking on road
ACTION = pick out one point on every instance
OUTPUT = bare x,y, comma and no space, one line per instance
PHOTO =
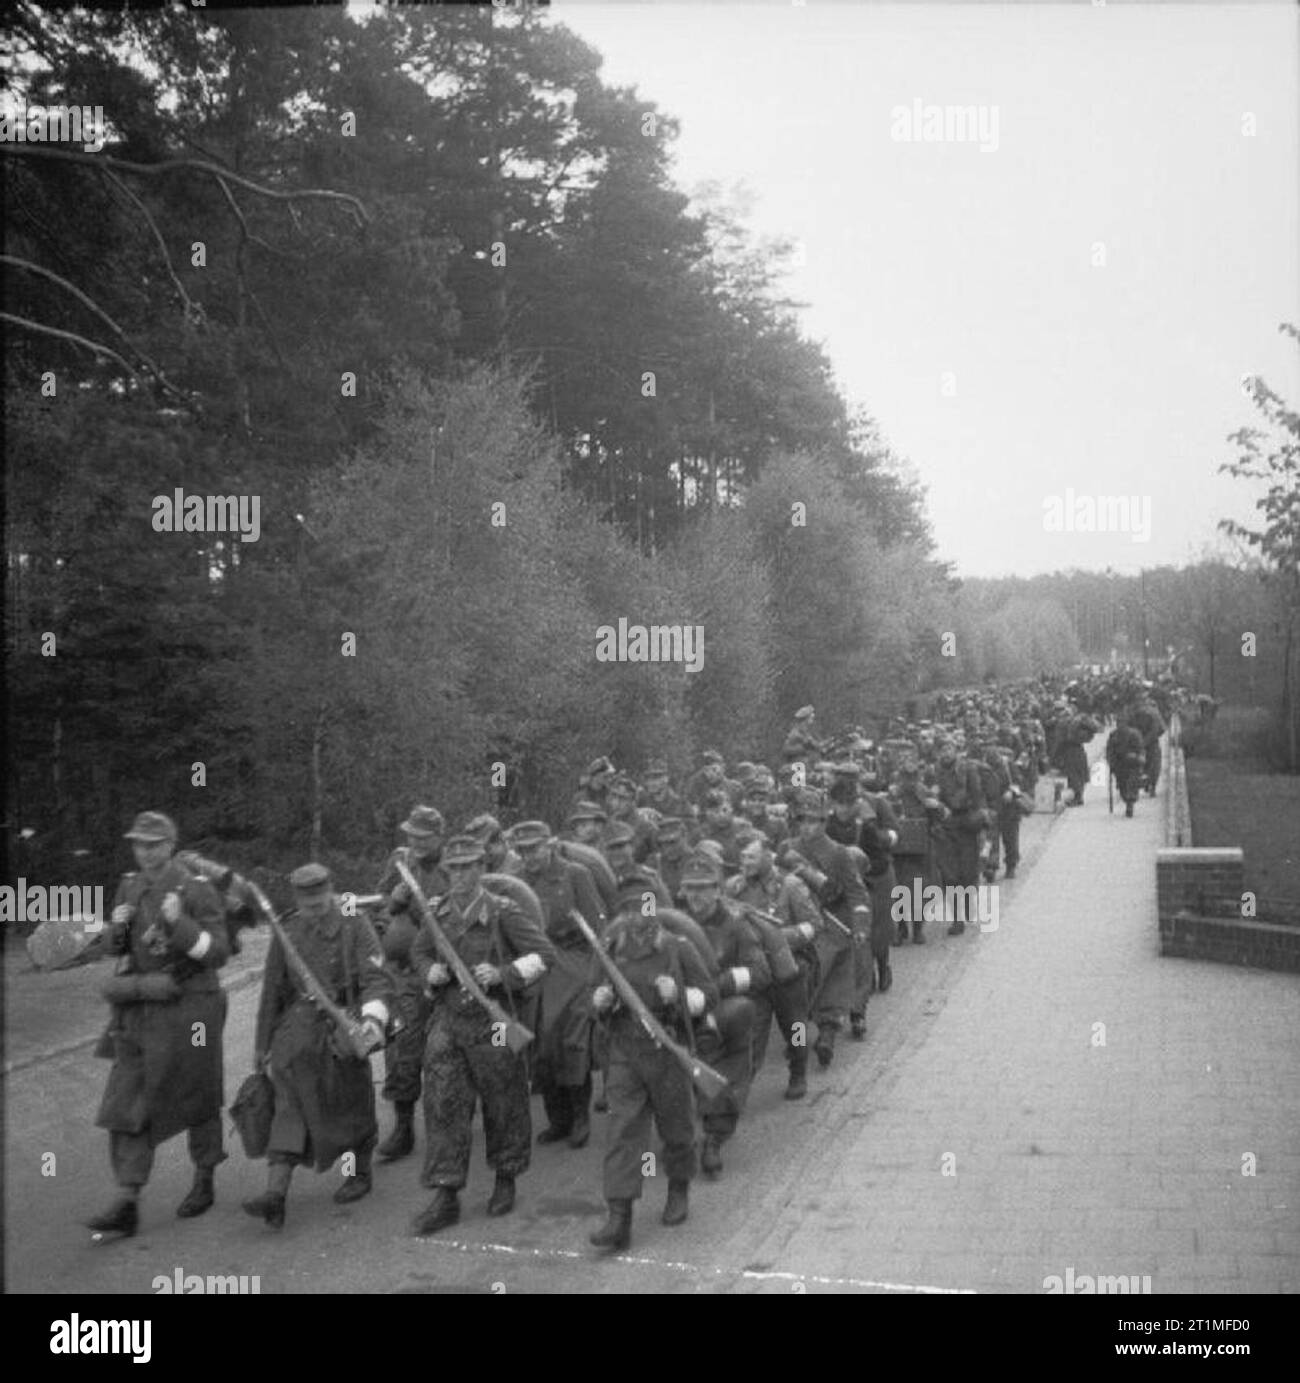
750,1273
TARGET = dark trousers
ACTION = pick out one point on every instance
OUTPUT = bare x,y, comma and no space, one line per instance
728,1048
462,1065
563,1102
646,1083
132,1153
787,1002
404,1060
1009,830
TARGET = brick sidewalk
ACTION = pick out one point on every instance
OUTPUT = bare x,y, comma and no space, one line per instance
1116,1159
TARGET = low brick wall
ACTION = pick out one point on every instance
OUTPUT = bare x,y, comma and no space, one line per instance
1198,898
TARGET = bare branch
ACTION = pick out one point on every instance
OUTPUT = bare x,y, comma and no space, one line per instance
95,346
74,290
192,312
354,204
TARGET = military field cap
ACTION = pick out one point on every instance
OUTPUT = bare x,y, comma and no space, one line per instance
529,833
153,827
701,868
670,826
656,768
844,791
804,713
812,803
620,834
424,821
750,837
745,770
631,889
484,827
763,778
713,850
463,850
588,811
711,756
847,769
601,765
310,879
623,784
715,797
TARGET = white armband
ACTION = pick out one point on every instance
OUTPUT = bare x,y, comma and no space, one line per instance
201,947
530,967
694,1002
740,978
807,930
376,1009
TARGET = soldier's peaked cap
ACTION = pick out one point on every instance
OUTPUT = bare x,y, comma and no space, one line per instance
483,827
847,769
601,765
152,826
670,825
588,811
632,889
310,878
804,713
701,868
620,834
424,821
656,768
463,850
623,784
811,802
530,833
711,756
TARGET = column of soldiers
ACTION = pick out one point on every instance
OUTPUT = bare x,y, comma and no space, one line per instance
746,899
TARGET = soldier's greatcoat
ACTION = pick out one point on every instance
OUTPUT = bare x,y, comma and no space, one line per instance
163,1080
324,1102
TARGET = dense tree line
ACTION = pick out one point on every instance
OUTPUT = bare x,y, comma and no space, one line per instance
424,286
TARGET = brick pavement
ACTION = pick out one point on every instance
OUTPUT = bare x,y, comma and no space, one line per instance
1116,1159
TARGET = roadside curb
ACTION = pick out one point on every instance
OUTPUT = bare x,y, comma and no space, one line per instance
236,983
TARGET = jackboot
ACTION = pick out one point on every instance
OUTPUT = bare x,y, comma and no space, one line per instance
443,1210
957,928
123,1218
200,1197
357,1185
858,1025
711,1155
677,1206
616,1232
798,1085
270,1205
825,1047
502,1199
401,1142
556,1100
886,976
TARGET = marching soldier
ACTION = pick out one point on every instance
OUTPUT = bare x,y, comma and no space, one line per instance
916,811
1124,754
1148,722
398,928
594,784
324,1096
620,847
508,955
562,1068
957,835
719,824
498,857
672,856
587,823
656,792
802,744
711,774
844,827
827,869
623,811
646,1081
169,925
727,1042
761,885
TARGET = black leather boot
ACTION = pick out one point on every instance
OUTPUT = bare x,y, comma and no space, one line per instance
616,1232
443,1210
270,1205
556,1100
580,1104
677,1206
401,1142
357,1185
123,1219
502,1199
798,1086
711,1155
200,1197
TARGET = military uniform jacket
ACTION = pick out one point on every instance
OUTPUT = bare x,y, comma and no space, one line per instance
785,896
161,1081
563,887
641,966
843,893
736,947
492,931
961,791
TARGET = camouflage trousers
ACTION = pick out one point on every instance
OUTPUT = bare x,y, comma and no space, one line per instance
463,1066
646,1083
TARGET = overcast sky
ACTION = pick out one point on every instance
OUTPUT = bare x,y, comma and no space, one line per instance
957,266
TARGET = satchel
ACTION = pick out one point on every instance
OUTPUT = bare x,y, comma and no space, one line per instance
252,1112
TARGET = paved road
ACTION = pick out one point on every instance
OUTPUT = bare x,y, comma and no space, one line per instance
1117,1159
